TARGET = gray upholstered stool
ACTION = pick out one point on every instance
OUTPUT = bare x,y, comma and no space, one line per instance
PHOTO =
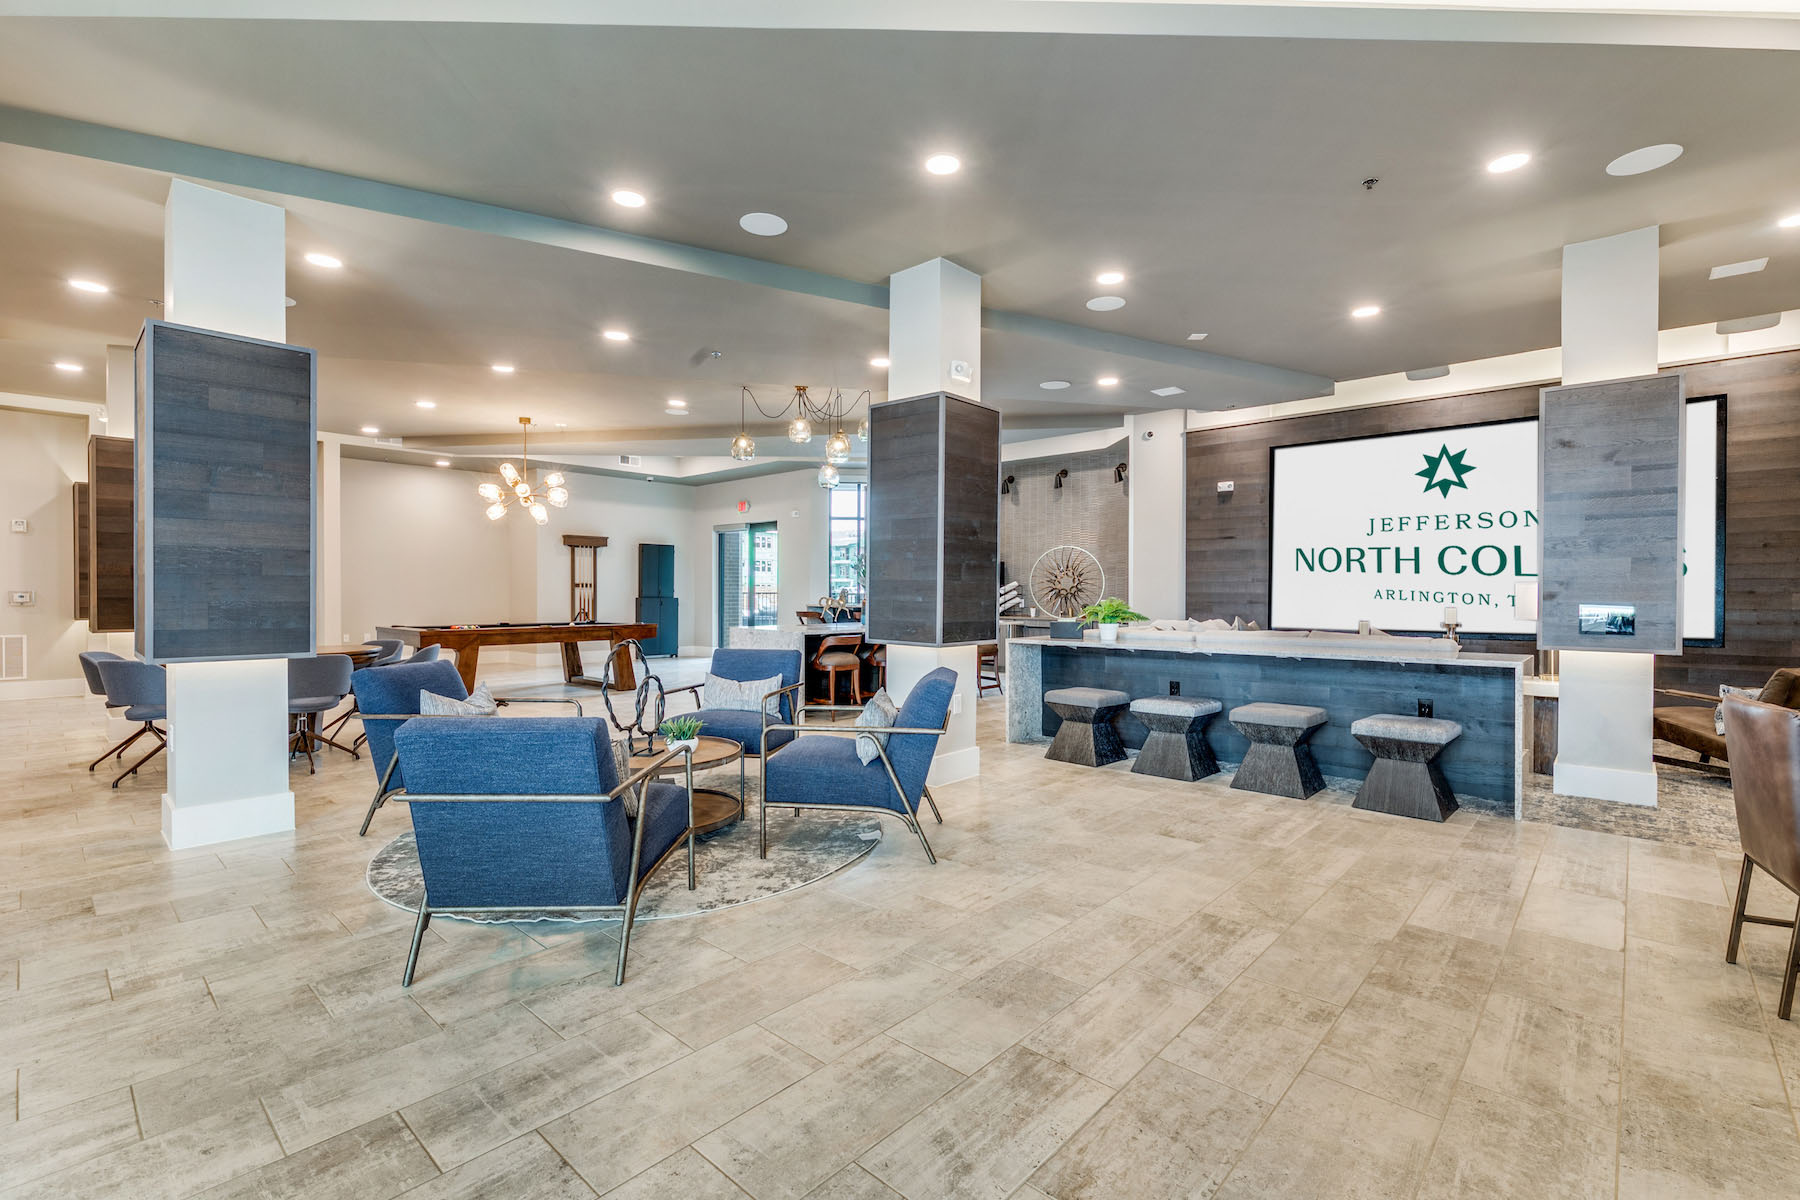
1176,747
1406,779
1279,761
1086,735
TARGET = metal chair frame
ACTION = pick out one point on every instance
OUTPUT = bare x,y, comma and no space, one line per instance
627,911
761,753
1739,918
162,743
909,813
383,792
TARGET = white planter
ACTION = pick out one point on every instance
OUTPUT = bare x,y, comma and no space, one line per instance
690,744
1109,631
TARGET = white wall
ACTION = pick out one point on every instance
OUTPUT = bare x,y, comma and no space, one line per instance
42,457
798,506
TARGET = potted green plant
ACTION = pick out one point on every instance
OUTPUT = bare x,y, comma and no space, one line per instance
681,733
1107,614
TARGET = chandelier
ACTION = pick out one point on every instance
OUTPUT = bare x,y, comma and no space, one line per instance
809,414
518,486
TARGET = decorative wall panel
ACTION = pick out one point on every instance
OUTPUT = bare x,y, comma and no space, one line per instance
225,489
111,505
83,573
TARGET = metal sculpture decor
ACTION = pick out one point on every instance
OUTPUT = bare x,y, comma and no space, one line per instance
650,697
1065,580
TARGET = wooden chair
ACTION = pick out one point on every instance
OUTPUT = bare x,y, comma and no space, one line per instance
837,655
987,670
809,616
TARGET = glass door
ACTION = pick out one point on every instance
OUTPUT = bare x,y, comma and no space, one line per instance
747,586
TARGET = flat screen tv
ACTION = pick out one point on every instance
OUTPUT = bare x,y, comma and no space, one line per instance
1396,528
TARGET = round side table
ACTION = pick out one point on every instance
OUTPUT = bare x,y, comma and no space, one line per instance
713,809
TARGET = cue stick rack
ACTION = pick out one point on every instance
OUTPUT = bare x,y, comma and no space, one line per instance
584,566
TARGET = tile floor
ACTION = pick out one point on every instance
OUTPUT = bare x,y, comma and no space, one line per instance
1110,986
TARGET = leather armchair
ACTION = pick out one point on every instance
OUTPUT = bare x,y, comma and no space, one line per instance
1765,785
1692,727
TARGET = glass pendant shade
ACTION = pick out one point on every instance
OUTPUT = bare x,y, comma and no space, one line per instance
559,496
538,512
743,447
837,447
509,473
521,489
862,430
495,511
828,476
799,431
554,479
489,492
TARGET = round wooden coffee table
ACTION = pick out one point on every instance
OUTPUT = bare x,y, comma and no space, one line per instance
713,809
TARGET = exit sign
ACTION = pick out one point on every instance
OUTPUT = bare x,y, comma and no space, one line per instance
743,506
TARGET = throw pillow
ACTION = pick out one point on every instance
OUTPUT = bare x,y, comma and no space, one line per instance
879,713
1725,690
740,695
479,704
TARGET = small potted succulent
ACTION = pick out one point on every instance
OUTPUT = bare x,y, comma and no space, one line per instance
681,733
1107,614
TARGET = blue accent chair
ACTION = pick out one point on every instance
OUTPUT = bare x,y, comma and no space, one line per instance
758,733
528,814
388,697
821,770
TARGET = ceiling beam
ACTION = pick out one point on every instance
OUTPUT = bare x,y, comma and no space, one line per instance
64,135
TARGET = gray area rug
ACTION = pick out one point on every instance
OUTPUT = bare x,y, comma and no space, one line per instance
1692,808
802,850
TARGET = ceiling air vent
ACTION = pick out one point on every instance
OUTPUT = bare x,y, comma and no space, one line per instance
630,460
12,656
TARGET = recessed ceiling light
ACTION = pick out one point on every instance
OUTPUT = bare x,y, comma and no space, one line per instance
371,429
1054,385
677,402
1106,303
615,335
943,164
762,224
329,261
425,403
626,198
1646,158
1748,267
1108,381
1508,162
1168,391
562,424
1196,337
503,368
1362,311
442,462
879,362
73,368
89,285
1792,221
1109,278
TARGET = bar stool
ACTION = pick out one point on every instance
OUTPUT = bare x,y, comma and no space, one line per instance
987,670
1406,780
875,657
1176,746
1086,736
837,655
1278,762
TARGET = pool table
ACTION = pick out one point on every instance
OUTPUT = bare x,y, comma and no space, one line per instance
467,640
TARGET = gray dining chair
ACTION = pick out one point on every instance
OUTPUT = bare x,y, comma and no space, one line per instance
90,669
424,654
141,689
316,684
391,651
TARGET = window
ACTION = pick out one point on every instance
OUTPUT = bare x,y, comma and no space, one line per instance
849,540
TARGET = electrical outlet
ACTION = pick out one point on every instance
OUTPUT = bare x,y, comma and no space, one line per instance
21,525
1174,687
956,701
1424,707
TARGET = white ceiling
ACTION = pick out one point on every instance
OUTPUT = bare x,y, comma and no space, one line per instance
1223,175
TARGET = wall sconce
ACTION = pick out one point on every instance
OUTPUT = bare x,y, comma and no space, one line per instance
1060,476
1120,471
1006,485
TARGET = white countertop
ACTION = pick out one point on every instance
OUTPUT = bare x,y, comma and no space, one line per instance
1289,647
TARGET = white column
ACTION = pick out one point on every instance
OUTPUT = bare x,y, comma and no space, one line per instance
1609,320
934,345
1157,512
225,268
328,546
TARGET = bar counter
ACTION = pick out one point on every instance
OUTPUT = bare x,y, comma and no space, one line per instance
1348,676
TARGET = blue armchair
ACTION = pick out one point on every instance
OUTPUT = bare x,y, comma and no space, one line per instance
387,697
529,814
821,770
758,733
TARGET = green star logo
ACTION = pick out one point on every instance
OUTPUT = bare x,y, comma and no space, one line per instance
1444,471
